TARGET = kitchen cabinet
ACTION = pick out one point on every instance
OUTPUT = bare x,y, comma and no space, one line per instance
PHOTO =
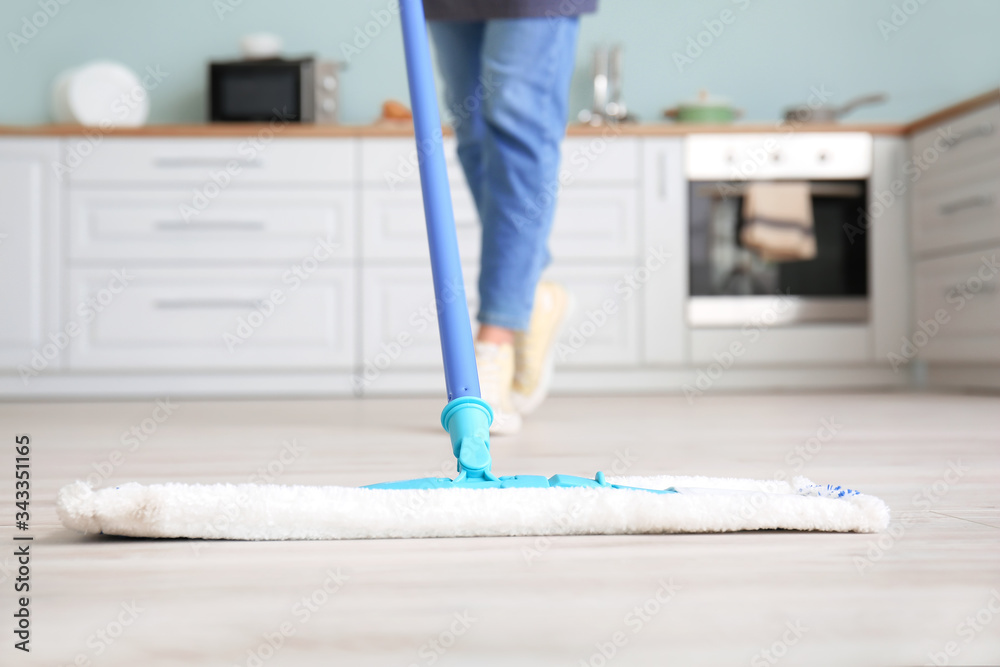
955,229
29,266
247,265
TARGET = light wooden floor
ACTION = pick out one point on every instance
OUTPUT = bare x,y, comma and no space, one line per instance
854,599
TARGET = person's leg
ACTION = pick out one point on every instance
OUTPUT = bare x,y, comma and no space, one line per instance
458,45
526,69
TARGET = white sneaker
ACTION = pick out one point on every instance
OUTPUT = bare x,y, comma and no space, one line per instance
534,350
496,374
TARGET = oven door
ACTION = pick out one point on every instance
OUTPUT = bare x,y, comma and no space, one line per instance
731,284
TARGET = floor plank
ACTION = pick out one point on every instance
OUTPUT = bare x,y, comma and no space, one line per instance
810,599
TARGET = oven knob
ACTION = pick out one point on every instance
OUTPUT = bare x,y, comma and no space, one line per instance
329,106
329,82
776,157
730,158
822,156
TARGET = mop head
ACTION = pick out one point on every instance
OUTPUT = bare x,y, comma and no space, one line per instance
280,512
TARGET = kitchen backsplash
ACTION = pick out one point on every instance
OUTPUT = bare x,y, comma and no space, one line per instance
762,55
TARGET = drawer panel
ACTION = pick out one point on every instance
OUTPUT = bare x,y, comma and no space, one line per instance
393,227
213,164
600,160
239,224
599,223
604,328
781,346
399,331
969,140
214,319
962,210
962,295
400,328
392,163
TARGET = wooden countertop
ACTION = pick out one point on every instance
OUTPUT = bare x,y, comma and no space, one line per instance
663,129
406,130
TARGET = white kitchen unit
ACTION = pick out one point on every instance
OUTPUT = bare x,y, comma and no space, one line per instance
215,266
955,199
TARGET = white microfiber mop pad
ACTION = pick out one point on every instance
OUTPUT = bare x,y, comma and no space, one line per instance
277,512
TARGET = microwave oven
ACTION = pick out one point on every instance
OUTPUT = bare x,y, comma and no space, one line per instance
299,91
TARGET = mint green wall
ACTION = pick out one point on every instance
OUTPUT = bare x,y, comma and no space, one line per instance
771,53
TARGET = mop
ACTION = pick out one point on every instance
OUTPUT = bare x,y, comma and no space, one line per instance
476,502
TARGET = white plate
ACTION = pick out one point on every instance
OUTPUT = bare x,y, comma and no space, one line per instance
101,93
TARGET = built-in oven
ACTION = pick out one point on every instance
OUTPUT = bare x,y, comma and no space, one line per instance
778,217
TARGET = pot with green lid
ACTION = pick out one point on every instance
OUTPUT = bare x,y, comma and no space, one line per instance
705,109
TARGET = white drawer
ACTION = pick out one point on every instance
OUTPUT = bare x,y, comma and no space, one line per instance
961,210
598,223
967,289
806,155
213,164
238,224
399,328
600,160
971,139
604,327
174,319
392,163
781,346
393,227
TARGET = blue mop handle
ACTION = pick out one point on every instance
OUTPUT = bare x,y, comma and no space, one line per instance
461,377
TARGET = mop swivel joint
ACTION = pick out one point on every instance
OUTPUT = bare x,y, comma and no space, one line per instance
467,420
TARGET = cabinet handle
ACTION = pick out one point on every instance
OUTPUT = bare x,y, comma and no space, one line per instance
963,288
197,304
189,162
222,225
977,201
661,176
981,130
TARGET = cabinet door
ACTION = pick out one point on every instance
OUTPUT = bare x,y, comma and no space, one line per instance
29,197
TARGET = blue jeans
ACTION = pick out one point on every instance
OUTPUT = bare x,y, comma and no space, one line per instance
507,88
